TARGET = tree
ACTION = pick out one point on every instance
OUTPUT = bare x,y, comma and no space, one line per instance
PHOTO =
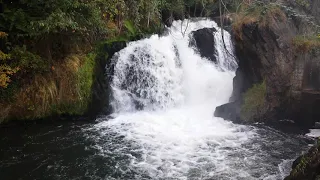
6,71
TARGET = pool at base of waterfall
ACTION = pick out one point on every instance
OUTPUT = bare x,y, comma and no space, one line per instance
164,97
81,151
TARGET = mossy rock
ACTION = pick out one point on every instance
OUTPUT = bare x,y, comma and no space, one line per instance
307,166
253,102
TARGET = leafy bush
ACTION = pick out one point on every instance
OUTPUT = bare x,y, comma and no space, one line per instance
254,100
27,61
6,71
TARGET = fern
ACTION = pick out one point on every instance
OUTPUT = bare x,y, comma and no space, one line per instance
130,27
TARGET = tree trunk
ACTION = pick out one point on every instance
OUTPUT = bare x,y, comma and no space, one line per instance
148,19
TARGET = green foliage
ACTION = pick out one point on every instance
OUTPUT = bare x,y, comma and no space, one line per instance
6,71
130,27
254,100
27,61
38,76
83,79
39,18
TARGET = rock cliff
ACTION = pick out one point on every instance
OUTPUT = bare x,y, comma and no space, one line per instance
279,67
279,54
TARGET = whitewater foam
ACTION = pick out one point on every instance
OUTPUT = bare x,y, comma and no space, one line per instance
164,98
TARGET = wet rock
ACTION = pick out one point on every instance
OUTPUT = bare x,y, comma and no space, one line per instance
229,111
203,42
101,91
307,166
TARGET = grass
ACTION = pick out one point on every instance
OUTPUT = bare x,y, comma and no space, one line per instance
254,100
263,15
67,89
76,86
85,78
306,43
132,31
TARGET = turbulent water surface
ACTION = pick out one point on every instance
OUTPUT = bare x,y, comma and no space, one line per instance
164,97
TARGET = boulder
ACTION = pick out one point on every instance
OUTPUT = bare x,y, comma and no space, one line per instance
229,111
203,43
307,166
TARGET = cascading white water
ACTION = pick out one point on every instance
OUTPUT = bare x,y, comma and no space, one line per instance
164,72
165,95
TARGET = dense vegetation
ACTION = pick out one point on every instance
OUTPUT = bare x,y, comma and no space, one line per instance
36,33
45,44
44,47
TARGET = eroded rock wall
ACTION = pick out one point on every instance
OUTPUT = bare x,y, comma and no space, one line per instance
267,53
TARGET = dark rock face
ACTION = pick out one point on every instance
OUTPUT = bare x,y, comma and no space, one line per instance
203,42
307,167
230,111
101,92
224,21
292,77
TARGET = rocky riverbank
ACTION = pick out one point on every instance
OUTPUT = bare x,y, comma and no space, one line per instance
278,76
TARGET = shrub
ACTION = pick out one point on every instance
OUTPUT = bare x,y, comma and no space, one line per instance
6,71
254,100
27,61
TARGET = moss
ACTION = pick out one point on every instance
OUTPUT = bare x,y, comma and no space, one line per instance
307,165
254,100
305,44
301,166
83,81
303,3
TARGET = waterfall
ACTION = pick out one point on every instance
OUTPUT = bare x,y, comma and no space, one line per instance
164,72
164,97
